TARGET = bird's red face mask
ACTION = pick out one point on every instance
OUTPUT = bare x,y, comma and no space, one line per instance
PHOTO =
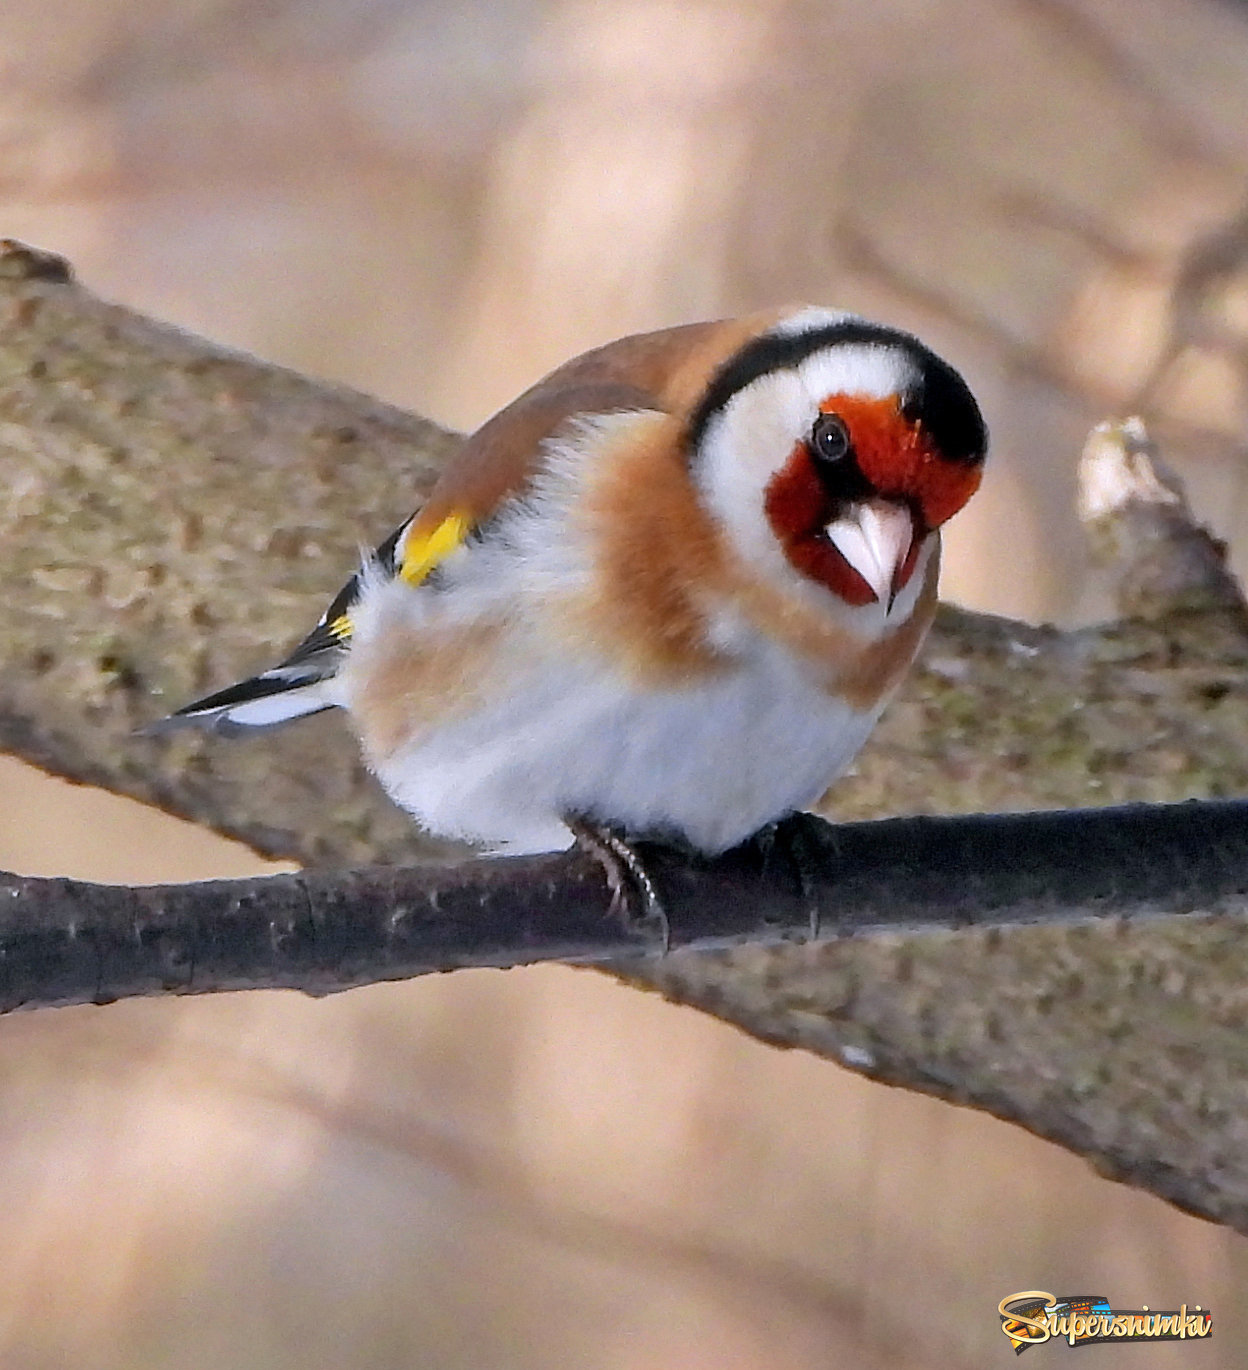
856,499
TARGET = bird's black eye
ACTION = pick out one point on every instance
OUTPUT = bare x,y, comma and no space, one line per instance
829,438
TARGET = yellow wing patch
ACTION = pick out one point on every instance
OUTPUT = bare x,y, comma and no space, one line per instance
421,555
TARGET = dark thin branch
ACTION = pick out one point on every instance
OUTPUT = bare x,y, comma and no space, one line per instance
67,941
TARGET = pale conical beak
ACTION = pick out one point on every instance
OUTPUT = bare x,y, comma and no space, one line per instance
874,537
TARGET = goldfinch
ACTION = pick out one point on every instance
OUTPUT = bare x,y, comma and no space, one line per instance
665,592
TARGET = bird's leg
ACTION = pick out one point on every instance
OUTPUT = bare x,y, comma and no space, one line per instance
800,841
635,898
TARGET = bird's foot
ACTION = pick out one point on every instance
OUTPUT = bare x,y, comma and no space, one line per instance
800,844
635,898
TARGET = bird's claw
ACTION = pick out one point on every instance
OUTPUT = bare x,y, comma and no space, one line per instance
799,842
635,899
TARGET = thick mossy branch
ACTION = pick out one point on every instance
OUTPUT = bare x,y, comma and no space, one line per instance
176,515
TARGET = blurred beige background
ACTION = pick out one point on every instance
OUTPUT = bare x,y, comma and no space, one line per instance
436,201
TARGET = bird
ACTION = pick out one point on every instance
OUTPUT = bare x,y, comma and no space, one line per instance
664,594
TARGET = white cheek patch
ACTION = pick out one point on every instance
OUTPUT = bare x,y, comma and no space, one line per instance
742,449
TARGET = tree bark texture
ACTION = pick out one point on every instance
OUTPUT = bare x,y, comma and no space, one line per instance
175,515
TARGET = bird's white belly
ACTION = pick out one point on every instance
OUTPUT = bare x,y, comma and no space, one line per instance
713,762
